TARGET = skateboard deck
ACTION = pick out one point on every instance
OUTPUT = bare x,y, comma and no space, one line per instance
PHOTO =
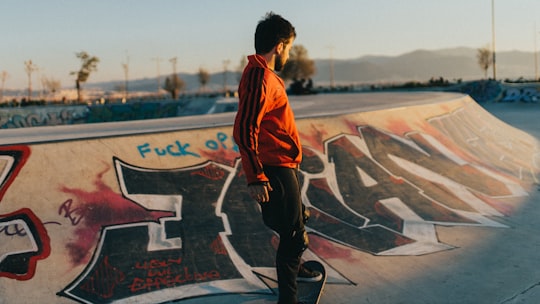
310,292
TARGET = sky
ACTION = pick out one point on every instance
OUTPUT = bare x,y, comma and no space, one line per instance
145,35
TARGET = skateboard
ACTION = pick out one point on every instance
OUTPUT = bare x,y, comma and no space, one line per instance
310,292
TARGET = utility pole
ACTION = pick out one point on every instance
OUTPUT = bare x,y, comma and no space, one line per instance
225,65
125,66
173,61
41,78
331,66
493,39
3,77
29,68
157,60
174,77
535,54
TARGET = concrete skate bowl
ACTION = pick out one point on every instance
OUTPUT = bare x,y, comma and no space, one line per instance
154,216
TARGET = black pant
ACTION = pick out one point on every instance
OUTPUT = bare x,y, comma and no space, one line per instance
284,214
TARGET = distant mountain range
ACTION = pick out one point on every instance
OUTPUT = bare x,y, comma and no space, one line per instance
420,65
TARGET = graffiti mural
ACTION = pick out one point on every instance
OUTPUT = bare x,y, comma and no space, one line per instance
54,115
24,242
373,192
22,235
166,217
521,94
42,116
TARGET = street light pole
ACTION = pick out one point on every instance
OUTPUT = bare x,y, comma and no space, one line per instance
125,66
331,66
225,65
29,68
493,38
535,54
158,59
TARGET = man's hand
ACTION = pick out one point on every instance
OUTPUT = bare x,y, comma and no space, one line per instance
260,192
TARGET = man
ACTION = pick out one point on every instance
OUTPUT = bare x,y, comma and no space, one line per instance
269,144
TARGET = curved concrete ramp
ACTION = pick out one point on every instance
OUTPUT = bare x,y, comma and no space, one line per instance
158,212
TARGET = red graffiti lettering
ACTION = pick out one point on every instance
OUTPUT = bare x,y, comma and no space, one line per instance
155,282
152,264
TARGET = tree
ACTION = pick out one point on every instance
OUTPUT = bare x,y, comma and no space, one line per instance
204,78
88,65
51,85
173,85
485,59
299,66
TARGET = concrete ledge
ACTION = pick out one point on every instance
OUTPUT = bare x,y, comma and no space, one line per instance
304,106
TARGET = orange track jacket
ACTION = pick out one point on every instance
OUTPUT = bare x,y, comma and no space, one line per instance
264,127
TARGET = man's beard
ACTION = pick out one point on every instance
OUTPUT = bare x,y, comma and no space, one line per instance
278,65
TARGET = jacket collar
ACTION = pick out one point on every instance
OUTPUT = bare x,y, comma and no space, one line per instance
258,61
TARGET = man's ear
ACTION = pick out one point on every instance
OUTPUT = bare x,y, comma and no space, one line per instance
280,47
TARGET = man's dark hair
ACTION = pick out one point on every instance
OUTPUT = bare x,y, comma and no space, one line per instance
272,30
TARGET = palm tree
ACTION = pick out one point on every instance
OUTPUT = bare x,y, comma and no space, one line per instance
88,65
204,78
174,85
